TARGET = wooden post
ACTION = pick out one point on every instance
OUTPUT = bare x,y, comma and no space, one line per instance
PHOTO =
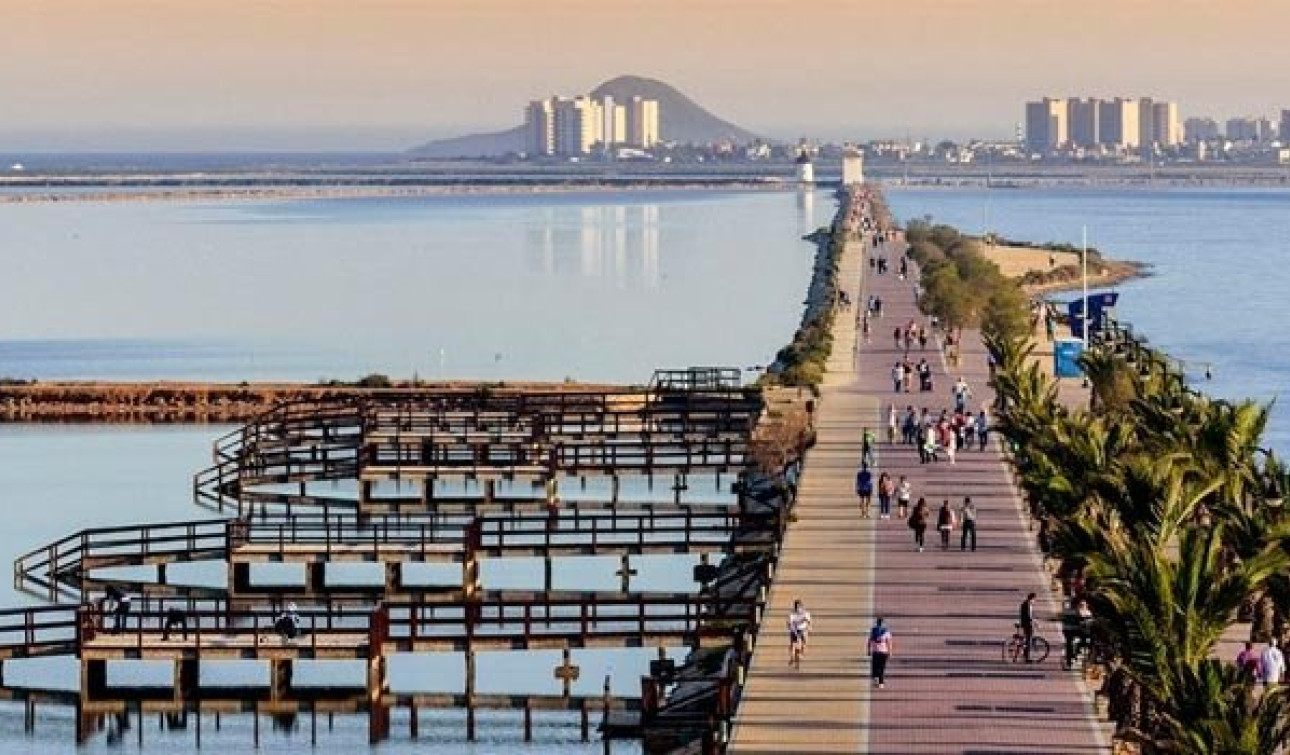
470,695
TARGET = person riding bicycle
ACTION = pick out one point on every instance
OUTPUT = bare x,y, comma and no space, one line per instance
1077,620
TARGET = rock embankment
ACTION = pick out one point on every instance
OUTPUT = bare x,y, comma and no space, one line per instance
198,403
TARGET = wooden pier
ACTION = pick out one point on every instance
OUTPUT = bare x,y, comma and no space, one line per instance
276,472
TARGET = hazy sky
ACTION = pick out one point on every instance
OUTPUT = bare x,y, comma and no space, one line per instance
376,74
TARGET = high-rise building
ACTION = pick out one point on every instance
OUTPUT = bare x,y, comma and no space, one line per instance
1118,123
539,124
1166,130
1146,123
1200,130
1242,129
578,125
613,122
1285,128
642,122
1046,123
1083,121
1265,130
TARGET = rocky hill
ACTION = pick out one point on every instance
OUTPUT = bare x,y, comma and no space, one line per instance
680,119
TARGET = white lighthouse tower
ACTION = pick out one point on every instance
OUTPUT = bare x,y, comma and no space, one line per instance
805,169
852,165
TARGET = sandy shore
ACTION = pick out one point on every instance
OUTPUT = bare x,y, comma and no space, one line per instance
1062,267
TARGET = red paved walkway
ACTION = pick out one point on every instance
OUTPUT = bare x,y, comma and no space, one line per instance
948,690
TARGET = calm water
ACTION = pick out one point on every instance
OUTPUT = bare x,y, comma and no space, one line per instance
539,286
598,286
1221,269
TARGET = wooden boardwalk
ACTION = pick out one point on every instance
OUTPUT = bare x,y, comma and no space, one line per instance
947,689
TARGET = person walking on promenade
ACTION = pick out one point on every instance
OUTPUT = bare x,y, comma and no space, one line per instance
1026,618
1274,664
909,428
982,426
893,422
961,394
904,492
880,647
868,447
864,489
897,377
1249,662
886,488
918,523
945,523
945,437
967,517
799,626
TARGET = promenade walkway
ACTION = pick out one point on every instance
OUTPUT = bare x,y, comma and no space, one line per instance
948,690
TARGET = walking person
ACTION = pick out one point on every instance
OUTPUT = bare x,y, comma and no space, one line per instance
893,422
1026,616
799,626
904,492
918,523
1273,663
880,647
982,425
120,607
886,488
175,617
967,516
945,524
961,394
864,489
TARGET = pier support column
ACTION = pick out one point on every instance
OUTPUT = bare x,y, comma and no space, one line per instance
378,715
470,695
281,671
187,679
316,578
393,578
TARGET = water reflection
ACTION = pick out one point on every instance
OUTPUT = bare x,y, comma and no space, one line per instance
806,211
620,242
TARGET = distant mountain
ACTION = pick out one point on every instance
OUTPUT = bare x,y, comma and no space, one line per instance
680,119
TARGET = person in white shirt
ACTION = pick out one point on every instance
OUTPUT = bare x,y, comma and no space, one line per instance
1274,664
799,626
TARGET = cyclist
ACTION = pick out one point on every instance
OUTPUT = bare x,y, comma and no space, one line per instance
1027,622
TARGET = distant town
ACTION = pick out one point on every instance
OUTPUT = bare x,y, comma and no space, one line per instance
1133,130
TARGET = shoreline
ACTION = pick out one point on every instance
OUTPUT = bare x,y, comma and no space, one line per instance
11,194
203,403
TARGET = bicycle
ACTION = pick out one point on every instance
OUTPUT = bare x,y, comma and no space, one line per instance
1014,648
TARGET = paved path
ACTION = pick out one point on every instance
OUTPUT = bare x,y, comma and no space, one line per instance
948,690
825,562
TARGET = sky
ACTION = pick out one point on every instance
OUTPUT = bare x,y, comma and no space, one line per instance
387,74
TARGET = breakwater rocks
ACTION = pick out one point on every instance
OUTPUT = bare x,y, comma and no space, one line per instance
198,403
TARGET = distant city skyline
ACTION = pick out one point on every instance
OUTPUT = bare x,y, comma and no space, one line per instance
388,74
